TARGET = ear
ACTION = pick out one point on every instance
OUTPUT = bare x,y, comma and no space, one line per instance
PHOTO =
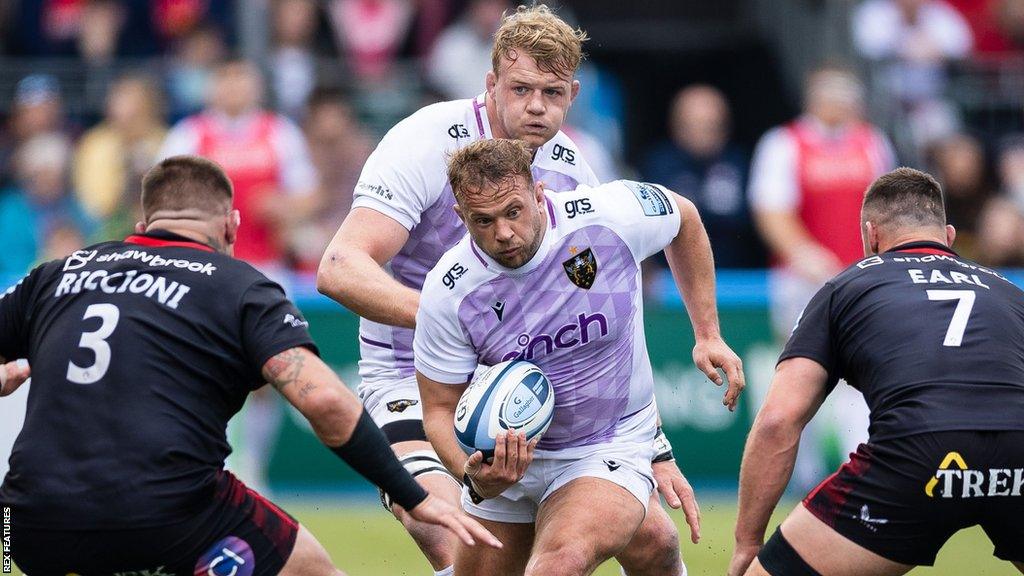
870,239
491,82
458,211
538,192
140,227
574,91
950,235
234,220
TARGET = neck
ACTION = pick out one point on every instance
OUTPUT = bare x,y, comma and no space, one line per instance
497,130
191,229
908,237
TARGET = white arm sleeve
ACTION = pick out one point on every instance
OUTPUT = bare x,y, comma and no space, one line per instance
440,346
298,176
954,34
644,215
404,175
773,179
182,139
876,30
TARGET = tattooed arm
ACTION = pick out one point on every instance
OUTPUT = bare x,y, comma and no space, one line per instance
317,392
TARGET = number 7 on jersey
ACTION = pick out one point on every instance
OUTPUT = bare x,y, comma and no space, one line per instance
958,324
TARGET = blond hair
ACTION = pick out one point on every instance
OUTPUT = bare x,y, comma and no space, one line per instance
538,32
488,165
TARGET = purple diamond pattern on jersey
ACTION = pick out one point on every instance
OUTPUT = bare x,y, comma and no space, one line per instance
582,339
439,229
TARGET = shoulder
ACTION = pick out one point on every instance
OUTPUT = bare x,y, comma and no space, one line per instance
562,154
779,137
433,123
457,273
426,136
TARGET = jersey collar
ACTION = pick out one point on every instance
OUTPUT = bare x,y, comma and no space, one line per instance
924,247
165,239
483,124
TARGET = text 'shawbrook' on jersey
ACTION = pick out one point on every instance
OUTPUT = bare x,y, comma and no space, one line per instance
141,351
933,341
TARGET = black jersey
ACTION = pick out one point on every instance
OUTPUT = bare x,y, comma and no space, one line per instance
933,341
141,351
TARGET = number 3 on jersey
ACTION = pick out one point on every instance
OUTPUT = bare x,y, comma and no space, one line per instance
958,324
97,342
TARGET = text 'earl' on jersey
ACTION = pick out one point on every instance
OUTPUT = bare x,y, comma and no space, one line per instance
141,351
575,309
406,179
933,341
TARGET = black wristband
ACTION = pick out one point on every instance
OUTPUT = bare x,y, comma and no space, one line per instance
369,453
474,496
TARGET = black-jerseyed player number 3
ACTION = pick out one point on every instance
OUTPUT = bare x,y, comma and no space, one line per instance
958,324
97,342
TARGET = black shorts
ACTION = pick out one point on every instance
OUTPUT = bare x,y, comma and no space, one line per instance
903,498
239,533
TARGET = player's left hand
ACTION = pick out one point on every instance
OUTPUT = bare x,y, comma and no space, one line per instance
713,353
13,375
678,493
436,511
742,556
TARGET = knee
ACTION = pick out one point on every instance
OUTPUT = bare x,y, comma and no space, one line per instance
654,550
436,543
561,561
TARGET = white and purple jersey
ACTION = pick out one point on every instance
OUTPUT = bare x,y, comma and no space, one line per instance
406,179
575,309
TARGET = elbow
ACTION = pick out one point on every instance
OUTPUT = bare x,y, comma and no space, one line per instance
777,426
331,271
333,418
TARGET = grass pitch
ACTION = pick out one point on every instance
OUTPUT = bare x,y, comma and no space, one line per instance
364,541
367,542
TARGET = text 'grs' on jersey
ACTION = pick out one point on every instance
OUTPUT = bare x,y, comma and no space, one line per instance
933,341
141,351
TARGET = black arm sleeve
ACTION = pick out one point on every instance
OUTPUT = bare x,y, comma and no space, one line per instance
369,453
14,317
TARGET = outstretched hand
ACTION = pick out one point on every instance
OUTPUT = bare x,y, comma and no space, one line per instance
440,513
710,355
678,493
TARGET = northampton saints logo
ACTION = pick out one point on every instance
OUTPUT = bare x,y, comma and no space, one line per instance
401,405
581,268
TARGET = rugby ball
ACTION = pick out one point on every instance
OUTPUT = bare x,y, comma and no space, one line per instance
514,394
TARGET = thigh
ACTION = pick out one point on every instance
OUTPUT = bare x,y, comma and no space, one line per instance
237,529
828,552
510,560
308,558
589,517
884,500
1003,488
395,407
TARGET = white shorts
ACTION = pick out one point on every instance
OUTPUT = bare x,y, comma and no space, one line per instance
626,463
396,408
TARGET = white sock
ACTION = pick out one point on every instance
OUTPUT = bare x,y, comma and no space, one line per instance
446,572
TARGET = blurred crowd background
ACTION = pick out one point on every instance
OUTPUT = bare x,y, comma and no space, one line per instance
291,96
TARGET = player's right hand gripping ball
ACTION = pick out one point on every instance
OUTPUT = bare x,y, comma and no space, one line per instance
514,394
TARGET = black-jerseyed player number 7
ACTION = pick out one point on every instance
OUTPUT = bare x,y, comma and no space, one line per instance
97,342
958,324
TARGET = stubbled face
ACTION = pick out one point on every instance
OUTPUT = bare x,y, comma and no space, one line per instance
507,222
530,104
